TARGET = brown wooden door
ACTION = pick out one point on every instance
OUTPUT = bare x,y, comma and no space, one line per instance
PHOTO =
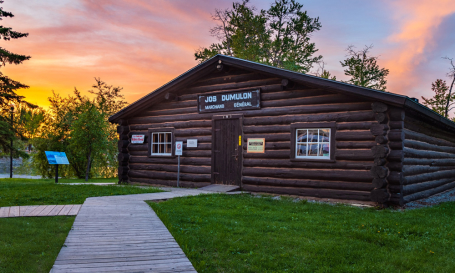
226,150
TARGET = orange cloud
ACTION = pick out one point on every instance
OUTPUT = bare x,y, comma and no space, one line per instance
138,45
416,22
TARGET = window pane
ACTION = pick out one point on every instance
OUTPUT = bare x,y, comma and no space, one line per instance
162,148
324,135
313,135
168,148
313,150
301,149
168,137
301,135
154,148
155,137
324,149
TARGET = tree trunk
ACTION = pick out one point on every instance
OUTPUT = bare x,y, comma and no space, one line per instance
87,171
448,97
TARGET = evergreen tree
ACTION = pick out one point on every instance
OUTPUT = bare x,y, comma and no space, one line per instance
364,70
8,86
438,102
279,36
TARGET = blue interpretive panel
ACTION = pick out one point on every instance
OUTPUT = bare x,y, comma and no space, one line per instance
57,158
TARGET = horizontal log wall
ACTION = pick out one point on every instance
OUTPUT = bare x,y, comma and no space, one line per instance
428,159
348,178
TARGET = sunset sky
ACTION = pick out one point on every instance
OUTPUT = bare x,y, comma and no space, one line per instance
142,44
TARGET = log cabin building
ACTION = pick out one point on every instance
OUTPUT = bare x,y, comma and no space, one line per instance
271,130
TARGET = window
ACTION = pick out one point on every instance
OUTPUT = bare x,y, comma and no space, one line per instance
161,142
313,141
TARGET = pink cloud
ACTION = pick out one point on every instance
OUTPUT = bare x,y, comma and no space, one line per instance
417,21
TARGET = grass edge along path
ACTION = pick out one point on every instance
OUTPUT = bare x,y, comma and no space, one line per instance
241,233
18,193
60,180
31,244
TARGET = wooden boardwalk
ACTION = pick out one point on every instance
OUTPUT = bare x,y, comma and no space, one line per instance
44,210
122,234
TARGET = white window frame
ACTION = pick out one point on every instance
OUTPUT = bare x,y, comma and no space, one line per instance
312,143
159,143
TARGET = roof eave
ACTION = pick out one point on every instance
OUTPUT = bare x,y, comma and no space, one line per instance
187,76
370,94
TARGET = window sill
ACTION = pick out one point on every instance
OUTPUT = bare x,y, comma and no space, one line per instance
162,156
313,160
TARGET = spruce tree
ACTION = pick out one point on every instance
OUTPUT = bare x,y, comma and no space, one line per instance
8,86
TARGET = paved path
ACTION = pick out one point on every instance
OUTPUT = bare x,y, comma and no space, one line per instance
122,234
44,210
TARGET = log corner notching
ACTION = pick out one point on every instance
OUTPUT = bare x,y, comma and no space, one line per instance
379,171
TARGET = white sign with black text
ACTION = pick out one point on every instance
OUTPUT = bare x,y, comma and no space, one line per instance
191,143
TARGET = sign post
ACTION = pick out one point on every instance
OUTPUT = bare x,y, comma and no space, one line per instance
56,158
178,152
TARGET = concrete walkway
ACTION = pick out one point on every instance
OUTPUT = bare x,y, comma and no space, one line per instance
122,234
44,210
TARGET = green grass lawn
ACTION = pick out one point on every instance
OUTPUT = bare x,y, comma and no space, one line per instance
63,180
22,192
31,244
241,233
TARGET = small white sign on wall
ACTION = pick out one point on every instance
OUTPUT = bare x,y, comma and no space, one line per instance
191,143
178,147
137,139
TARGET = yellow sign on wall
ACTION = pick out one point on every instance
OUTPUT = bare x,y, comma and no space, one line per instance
256,145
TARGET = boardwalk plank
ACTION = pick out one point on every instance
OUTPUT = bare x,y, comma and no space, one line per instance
65,210
107,267
29,210
14,211
24,209
112,234
46,210
43,210
4,212
74,210
37,210
118,253
129,258
55,210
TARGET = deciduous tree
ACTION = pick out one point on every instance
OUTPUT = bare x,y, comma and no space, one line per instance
88,135
279,36
451,75
323,73
443,100
79,126
438,102
363,69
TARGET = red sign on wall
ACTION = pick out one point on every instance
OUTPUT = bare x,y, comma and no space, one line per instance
137,139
